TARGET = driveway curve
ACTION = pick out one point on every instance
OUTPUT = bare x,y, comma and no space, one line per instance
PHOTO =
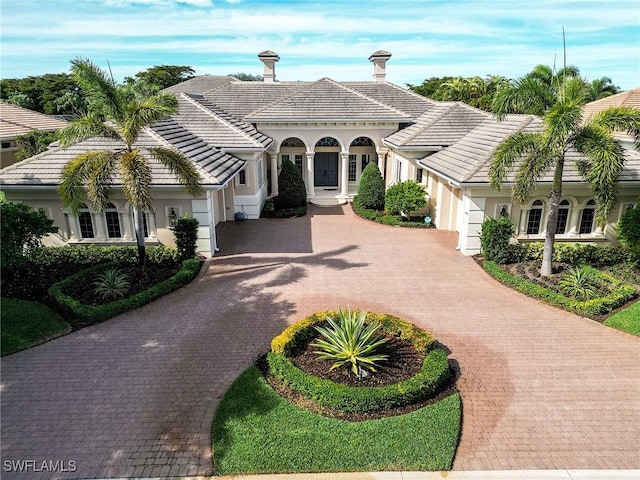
135,396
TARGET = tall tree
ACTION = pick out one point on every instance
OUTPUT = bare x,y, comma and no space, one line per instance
116,113
42,93
532,155
163,76
602,87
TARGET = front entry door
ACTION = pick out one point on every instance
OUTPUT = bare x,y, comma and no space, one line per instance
325,170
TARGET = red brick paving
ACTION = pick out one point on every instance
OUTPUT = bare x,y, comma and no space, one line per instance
135,396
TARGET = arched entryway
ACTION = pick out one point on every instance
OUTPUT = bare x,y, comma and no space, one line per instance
325,164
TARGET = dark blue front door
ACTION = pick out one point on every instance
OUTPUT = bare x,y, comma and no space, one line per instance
325,170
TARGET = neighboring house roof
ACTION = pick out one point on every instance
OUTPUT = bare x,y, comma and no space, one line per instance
468,160
630,98
443,124
201,84
327,101
217,127
15,121
45,169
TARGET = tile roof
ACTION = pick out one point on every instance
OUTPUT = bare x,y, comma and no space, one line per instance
468,160
242,98
630,98
443,124
16,121
45,169
201,84
327,101
394,96
215,126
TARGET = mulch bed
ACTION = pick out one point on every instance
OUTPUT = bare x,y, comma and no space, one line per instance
404,362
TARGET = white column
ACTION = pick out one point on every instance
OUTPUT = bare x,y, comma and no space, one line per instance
524,215
344,177
574,217
381,156
310,177
73,228
125,223
274,173
100,233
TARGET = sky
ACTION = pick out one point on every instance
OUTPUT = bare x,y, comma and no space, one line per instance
330,38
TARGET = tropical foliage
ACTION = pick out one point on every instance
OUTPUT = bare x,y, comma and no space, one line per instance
162,76
33,143
577,282
111,284
531,155
21,230
350,342
118,113
405,197
43,93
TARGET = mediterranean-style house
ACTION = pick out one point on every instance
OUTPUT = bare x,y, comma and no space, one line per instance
239,133
16,121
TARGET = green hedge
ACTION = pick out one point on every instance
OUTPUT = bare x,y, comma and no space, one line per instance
301,332
46,266
573,253
435,369
94,314
385,219
435,373
620,292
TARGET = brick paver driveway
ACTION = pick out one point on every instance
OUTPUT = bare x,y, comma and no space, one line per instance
136,395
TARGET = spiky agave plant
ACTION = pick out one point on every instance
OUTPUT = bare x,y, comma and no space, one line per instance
578,283
111,284
352,341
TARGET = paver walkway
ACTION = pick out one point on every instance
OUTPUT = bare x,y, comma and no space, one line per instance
135,396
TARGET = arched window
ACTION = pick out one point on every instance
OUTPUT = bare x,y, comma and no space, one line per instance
327,142
112,218
535,218
587,219
85,222
362,142
563,216
292,142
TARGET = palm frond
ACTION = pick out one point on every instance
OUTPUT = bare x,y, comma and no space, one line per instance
562,119
180,166
74,176
534,166
100,89
99,176
145,112
527,95
86,127
622,119
508,152
136,179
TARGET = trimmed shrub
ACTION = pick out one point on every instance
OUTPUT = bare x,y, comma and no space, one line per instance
573,253
45,266
629,231
495,238
405,197
93,314
435,373
380,217
291,190
185,231
371,188
435,370
619,295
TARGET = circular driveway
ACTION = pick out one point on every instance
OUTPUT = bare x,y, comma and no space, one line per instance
136,395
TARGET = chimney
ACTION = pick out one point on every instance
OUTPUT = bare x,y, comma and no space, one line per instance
269,59
379,60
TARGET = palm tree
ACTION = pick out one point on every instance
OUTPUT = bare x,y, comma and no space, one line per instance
532,155
117,113
602,87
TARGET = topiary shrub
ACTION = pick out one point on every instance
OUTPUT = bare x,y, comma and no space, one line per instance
291,190
494,239
405,197
185,231
371,188
629,231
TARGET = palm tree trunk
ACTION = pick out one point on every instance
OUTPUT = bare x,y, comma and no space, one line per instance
138,219
552,220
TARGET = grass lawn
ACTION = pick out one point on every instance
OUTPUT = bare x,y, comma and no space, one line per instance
27,323
256,431
627,320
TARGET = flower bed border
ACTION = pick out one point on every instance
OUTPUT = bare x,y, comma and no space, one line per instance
434,374
99,313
